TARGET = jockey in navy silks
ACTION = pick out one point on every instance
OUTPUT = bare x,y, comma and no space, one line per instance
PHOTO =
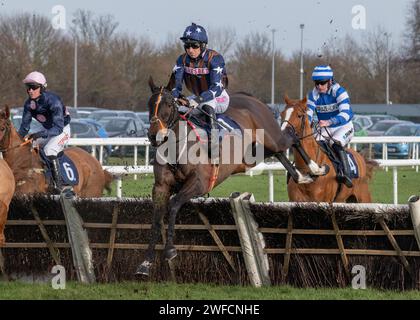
204,74
331,103
48,109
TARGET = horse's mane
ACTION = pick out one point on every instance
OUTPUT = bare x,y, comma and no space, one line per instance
244,93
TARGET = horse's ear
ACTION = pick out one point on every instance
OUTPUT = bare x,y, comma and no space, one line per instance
287,100
6,112
304,101
152,85
171,83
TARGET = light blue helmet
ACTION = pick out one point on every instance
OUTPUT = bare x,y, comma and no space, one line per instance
194,32
322,73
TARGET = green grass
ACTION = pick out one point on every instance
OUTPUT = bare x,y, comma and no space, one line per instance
381,186
173,291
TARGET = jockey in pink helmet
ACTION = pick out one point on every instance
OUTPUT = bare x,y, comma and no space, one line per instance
48,109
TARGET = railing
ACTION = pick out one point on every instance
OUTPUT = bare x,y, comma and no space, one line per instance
135,169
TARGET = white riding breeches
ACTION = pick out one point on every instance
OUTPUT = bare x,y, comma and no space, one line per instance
342,134
219,104
54,145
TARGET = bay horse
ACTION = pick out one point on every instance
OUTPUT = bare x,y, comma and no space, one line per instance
324,188
28,168
7,189
188,180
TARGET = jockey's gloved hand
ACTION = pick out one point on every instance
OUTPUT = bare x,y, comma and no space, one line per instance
194,102
35,135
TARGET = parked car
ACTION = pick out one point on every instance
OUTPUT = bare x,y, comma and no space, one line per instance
99,114
82,129
123,127
402,150
378,117
100,131
144,116
364,121
359,131
35,125
380,127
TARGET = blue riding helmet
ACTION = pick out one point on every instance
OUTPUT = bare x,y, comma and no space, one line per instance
322,73
194,32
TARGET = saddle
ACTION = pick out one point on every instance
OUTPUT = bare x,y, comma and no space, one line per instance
226,124
338,166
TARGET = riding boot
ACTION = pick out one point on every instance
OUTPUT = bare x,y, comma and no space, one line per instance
214,143
55,169
344,176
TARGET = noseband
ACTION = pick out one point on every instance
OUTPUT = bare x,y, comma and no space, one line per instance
302,127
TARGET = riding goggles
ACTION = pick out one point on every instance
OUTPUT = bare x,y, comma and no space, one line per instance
33,86
194,45
321,83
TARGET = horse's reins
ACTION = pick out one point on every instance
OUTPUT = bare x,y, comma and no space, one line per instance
17,146
171,122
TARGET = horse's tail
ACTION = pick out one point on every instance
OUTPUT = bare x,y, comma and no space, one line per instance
108,180
370,166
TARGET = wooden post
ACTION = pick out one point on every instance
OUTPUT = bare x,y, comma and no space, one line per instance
395,245
2,267
217,240
288,247
55,253
343,255
112,241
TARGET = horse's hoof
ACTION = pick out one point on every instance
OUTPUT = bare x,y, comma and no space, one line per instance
170,253
144,269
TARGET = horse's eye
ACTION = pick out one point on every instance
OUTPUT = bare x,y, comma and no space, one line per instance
2,128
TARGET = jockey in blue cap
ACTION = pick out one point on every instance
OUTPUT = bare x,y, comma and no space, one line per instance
204,73
331,103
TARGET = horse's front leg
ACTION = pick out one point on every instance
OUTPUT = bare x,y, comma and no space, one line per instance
297,176
160,200
315,169
191,188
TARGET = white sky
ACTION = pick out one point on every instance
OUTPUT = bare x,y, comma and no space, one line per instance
323,19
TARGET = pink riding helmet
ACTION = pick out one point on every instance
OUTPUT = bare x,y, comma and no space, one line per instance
36,77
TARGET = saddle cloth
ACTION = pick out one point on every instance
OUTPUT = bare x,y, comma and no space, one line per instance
227,126
338,166
68,170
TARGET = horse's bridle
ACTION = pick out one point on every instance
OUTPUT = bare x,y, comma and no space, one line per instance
9,137
302,127
172,117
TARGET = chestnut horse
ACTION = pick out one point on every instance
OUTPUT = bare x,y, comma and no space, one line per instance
7,189
28,168
324,188
184,181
